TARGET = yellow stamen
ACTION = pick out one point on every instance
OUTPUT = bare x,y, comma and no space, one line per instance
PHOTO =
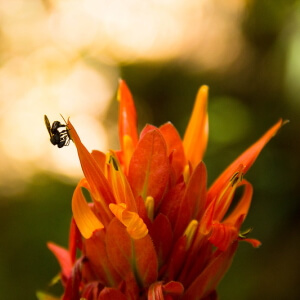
237,177
190,232
224,199
149,203
244,234
115,179
186,173
119,184
114,163
55,279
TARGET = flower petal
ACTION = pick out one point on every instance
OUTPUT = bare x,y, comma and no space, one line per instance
225,197
96,253
199,256
73,282
246,159
174,148
209,278
111,294
223,235
75,240
146,129
130,256
243,205
90,290
207,218
177,258
255,243
171,202
149,168
128,133
157,290
162,236
99,186
64,258
193,201
127,115
173,288
135,225
196,134
119,183
86,220
100,158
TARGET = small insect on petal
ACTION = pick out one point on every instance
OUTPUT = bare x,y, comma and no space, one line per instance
58,137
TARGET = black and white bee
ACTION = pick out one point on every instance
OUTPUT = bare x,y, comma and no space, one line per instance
58,137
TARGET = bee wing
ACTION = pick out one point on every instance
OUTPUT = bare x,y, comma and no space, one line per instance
47,123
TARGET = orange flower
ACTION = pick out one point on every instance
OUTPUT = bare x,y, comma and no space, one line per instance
153,230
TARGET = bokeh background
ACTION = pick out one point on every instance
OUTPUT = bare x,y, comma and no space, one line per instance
65,57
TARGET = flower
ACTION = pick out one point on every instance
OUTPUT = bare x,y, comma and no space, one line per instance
153,229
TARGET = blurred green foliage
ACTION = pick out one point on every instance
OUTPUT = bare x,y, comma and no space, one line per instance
28,221
244,103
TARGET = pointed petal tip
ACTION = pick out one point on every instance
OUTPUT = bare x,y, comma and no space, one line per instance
279,124
63,257
254,242
72,133
160,291
196,134
69,122
123,89
204,88
127,114
247,158
121,84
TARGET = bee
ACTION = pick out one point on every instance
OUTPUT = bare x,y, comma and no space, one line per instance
59,138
